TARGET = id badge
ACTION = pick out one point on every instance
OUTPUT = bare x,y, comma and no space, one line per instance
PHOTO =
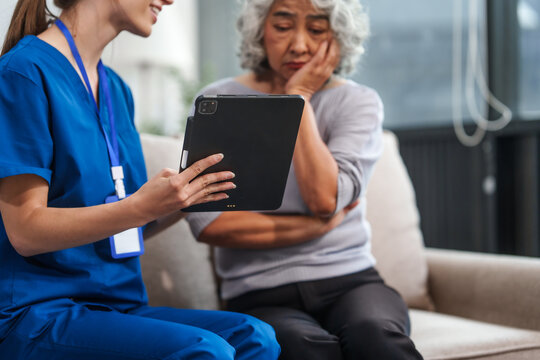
127,243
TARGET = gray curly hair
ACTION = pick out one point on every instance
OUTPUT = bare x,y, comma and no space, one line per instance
348,20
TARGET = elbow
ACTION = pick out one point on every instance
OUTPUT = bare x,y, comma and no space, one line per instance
26,252
22,245
323,207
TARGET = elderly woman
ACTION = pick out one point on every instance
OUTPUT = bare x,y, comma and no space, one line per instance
307,268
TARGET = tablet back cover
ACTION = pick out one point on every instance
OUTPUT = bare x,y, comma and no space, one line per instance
257,135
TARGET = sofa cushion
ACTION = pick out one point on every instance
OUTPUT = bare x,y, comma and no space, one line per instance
397,240
445,337
176,268
400,258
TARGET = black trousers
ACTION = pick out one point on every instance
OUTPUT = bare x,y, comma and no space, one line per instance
349,317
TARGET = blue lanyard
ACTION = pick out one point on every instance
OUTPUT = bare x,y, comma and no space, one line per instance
116,168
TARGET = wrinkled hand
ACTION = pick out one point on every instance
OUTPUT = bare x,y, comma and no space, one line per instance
312,76
170,191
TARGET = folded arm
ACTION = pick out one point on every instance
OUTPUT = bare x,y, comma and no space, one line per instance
251,230
332,173
315,168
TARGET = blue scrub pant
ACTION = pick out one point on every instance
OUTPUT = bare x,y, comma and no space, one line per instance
88,332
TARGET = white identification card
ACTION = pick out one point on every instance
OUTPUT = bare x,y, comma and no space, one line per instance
127,243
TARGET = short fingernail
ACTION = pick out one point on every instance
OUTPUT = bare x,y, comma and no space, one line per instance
220,156
231,175
233,185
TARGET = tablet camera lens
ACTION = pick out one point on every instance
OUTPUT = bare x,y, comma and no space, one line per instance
208,106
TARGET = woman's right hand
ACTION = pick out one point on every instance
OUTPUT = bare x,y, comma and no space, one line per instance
170,191
313,75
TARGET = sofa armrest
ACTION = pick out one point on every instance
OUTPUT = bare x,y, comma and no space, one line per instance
500,289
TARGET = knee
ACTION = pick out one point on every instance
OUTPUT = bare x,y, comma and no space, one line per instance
374,328
262,339
304,337
206,347
308,342
380,339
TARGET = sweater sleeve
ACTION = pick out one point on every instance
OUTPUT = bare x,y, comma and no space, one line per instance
354,137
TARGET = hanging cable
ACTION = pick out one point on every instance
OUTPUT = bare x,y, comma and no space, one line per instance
474,76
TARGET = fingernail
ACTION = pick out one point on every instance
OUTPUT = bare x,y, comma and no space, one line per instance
233,185
231,175
220,156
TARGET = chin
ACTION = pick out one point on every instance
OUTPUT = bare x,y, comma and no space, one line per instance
288,73
143,32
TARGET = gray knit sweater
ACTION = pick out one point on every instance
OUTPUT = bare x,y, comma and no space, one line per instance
349,118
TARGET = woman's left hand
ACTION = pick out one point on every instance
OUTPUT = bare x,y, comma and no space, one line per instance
312,76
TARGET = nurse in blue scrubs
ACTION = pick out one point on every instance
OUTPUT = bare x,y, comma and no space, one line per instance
70,233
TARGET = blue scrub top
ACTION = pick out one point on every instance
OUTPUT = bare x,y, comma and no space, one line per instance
49,127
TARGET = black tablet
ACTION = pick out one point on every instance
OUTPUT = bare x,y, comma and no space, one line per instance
257,135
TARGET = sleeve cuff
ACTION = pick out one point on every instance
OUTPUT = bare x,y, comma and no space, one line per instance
7,170
345,192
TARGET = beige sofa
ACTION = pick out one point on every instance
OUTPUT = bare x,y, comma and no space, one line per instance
463,305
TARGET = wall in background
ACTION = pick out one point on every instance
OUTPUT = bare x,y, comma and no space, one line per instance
218,42
159,69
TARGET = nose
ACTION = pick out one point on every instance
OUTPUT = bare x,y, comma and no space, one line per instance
299,43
